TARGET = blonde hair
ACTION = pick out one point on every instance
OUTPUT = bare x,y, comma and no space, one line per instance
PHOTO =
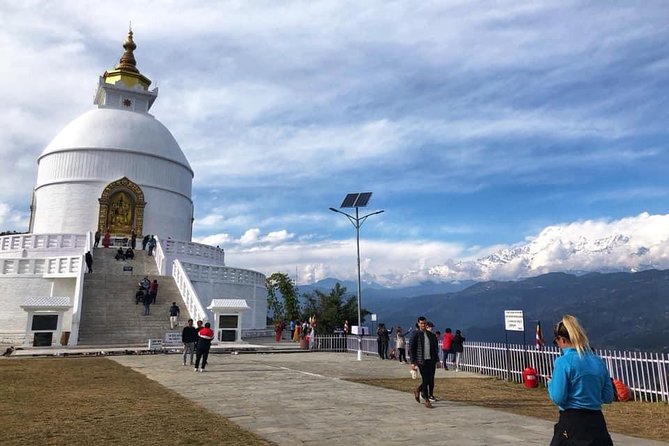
570,329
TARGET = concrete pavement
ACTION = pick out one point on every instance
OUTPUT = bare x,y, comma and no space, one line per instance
302,398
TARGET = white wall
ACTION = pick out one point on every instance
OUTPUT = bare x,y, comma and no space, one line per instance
13,319
255,296
70,183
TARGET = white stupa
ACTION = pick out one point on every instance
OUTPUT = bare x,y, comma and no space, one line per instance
115,167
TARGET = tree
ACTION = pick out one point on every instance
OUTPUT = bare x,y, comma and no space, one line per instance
332,309
282,297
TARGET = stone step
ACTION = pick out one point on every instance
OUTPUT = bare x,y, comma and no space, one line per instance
109,314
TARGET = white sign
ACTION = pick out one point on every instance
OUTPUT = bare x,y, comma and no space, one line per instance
172,338
356,330
514,320
373,317
155,344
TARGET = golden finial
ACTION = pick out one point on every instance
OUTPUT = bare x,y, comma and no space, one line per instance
127,61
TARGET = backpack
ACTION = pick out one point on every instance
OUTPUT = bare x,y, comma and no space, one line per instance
620,390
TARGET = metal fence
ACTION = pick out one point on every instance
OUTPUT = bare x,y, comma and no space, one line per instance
646,374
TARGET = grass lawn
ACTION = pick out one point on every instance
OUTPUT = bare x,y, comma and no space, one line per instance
77,401
638,419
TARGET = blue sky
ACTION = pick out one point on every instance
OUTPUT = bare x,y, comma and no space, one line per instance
475,124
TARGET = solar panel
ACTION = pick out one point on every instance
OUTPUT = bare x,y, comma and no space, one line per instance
362,200
349,201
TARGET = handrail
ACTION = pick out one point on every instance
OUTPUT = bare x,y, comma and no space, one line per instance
159,255
63,266
78,298
28,242
223,274
188,293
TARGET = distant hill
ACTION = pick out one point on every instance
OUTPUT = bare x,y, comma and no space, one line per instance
374,294
624,311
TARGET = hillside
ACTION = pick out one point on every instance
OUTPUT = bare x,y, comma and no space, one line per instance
626,311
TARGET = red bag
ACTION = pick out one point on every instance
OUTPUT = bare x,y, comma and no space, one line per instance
620,390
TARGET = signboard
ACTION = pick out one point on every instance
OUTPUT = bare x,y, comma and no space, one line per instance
373,317
155,344
172,338
357,330
127,268
514,320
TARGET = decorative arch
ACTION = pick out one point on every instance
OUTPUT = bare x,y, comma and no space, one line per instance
122,208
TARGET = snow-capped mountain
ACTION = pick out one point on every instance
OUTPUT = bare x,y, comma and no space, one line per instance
578,247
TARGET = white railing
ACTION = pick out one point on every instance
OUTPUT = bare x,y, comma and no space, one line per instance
78,297
646,374
168,250
63,266
68,266
20,242
208,273
182,249
159,255
188,293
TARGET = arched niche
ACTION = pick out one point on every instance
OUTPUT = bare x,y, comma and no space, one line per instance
121,208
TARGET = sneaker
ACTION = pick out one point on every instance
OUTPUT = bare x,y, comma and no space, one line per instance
201,370
432,398
196,369
184,363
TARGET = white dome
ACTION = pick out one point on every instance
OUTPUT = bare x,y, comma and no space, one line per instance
123,130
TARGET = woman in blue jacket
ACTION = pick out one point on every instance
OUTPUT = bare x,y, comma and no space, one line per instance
579,386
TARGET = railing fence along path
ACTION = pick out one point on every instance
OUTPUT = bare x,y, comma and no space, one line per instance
646,374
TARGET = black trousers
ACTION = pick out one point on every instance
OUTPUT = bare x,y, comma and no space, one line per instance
581,427
201,354
402,354
427,370
382,348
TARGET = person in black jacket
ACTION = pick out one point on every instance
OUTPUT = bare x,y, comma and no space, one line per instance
189,338
424,354
382,338
458,348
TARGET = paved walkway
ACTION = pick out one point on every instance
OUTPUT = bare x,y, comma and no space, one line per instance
301,398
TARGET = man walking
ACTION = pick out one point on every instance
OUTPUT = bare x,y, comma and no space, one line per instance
189,338
174,315
89,262
424,354
147,304
150,245
203,345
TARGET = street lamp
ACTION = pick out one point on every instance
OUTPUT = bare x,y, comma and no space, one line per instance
356,201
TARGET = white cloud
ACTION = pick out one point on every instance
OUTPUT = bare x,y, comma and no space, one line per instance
11,219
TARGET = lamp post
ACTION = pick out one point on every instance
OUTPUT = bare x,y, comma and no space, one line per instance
357,201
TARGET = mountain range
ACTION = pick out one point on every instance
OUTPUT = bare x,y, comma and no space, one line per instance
623,311
627,245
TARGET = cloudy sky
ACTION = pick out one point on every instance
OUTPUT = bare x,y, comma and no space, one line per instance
476,125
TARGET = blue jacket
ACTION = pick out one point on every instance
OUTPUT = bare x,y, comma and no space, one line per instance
580,381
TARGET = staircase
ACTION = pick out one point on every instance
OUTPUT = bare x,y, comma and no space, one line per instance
109,315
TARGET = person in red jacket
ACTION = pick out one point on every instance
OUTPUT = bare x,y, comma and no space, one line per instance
153,291
447,346
204,338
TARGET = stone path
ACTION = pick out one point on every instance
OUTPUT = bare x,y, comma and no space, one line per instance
301,398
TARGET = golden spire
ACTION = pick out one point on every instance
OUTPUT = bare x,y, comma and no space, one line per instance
126,70
127,61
